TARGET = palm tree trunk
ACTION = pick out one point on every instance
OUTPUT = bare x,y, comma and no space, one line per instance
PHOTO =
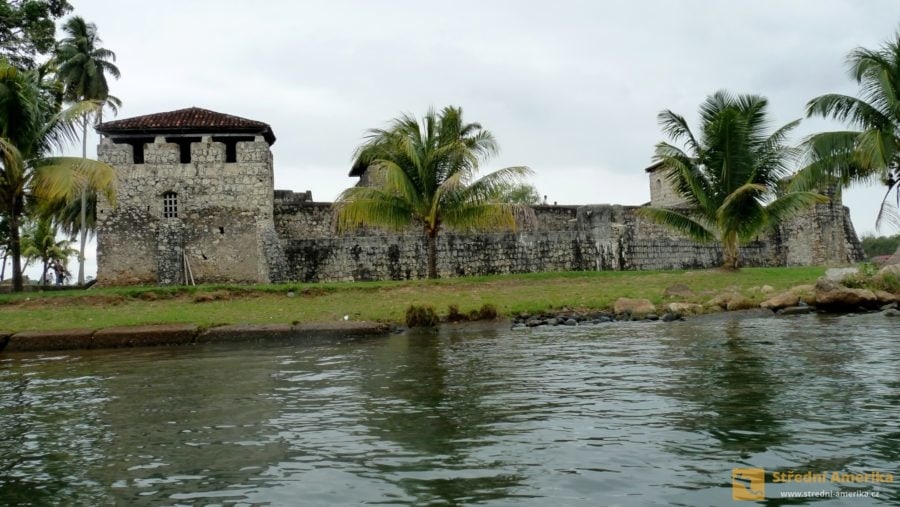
731,253
3,266
83,218
15,249
431,239
44,274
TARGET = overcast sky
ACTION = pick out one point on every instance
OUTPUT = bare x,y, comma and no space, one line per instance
570,88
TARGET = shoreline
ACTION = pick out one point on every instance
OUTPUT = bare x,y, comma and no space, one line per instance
148,316
179,334
189,334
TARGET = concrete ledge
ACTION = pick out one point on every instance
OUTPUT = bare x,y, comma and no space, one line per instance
258,332
144,336
178,334
341,328
245,332
64,339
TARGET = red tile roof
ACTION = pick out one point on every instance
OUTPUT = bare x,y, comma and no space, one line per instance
193,120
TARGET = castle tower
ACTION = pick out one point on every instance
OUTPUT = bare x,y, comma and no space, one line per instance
194,200
662,193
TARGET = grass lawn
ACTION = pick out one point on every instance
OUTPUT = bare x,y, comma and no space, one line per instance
375,301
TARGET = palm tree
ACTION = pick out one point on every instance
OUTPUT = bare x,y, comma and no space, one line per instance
729,176
82,67
39,242
870,152
425,174
30,128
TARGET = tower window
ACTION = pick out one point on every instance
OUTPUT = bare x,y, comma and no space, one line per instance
170,205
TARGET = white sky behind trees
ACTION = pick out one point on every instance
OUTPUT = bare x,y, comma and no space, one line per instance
570,88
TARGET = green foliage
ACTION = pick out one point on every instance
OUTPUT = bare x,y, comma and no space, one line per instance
82,64
31,127
487,312
453,314
880,245
888,282
82,67
28,29
421,316
39,242
870,151
521,193
424,173
730,175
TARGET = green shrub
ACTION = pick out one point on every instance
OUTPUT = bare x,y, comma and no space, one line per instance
487,312
421,316
453,314
888,282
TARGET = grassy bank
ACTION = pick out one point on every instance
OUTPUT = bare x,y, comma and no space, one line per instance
376,301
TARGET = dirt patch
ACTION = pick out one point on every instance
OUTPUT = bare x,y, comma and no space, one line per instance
99,300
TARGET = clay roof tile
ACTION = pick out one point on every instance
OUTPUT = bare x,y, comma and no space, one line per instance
189,120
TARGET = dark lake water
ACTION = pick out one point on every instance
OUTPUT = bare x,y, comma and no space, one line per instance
617,414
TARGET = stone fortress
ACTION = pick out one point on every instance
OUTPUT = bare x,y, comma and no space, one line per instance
196,202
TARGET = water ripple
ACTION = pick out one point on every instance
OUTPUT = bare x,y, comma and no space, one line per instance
619,414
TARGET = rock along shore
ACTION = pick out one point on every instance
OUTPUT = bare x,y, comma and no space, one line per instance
179,334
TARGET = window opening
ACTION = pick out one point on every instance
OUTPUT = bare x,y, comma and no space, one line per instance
170,205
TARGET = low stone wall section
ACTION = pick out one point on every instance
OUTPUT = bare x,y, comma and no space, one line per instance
561,238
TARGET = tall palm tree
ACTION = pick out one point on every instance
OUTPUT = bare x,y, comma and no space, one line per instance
729,176
30,129
82,67
425,174
871,151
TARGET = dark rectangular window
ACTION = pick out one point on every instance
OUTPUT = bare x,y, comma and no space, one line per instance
170,205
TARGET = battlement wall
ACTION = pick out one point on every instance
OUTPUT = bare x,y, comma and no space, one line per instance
562,238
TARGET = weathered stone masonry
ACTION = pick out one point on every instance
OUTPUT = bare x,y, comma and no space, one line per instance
195,197
580,238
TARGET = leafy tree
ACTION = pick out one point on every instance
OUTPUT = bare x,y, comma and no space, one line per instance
871,150
425,174
728,176
39,242
520,193
83,67
880,245
30,128
28,29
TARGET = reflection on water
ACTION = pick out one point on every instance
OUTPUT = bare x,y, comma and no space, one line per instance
618,414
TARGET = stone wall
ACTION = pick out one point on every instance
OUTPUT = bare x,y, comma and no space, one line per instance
224,228
563,238
232,227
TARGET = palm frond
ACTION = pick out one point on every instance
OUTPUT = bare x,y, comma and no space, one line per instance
358,206
850,109
830,158
790,204
679,222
